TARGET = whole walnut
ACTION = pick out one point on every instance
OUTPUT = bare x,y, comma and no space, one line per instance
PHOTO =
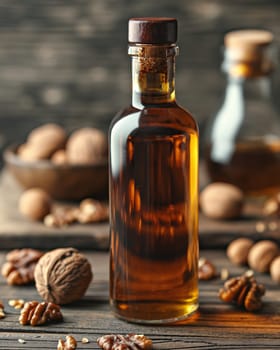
59,157
238,250
62,275
271,206
32,153
261,255
221,201
35,204
47,139
275,269
87,146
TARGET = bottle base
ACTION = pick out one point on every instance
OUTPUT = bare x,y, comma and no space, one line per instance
135,314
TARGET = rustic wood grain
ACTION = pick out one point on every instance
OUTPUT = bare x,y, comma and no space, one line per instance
17,232
215,326
252,224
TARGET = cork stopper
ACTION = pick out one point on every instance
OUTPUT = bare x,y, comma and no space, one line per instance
248,44
248,38
152,30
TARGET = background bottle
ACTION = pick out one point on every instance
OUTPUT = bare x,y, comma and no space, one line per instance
243,140
153,187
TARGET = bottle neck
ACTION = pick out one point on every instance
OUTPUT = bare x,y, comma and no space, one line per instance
251,78
246,65
258,88
153,74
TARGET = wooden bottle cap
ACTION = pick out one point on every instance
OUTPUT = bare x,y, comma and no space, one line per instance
152,30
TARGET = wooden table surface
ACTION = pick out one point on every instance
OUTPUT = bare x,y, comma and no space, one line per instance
215,326
18,232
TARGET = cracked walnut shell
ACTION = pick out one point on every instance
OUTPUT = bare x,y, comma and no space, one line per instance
20,265
243,291
63,275
36,314
124,342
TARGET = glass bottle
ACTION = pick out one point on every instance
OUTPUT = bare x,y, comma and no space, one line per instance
243,140
153,187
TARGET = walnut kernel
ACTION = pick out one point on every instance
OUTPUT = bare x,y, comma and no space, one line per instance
2,313
261,255
206,270
62,275
260,227
238,250
124,342
221,201
92,211
70,343
224,275
35,313
16,303
61,216
20,265
243,291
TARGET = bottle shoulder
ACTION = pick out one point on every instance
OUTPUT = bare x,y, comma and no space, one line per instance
170,115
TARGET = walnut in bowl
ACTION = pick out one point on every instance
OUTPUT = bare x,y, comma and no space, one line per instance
61,179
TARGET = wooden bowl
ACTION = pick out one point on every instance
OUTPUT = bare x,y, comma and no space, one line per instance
61,181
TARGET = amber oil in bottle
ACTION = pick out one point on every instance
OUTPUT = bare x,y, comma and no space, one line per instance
153,187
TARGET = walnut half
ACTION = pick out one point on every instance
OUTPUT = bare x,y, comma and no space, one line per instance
2,313
20,265
243,291
35,313
69,344
124,342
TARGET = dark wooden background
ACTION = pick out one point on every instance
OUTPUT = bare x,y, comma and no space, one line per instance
66,61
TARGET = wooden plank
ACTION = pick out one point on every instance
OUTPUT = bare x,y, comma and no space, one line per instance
16,232
215,326
219,233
